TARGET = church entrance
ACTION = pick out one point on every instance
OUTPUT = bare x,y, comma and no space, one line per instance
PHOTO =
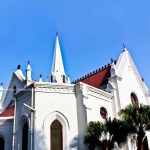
2,143
56,135
25,137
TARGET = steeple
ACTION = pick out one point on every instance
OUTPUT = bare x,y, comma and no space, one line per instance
1,90
28,72
57,72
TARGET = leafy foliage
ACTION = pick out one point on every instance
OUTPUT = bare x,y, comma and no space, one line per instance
95,131
106,134
138,117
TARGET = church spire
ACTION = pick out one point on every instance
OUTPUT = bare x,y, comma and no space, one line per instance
57,72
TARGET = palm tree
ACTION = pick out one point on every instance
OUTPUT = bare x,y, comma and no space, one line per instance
138,117
107,134
118,132
95,131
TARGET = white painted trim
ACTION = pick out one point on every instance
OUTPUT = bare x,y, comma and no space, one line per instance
6,118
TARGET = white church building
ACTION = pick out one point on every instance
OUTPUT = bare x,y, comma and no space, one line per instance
39,115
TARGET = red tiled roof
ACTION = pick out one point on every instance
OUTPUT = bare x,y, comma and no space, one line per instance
8,112
97,78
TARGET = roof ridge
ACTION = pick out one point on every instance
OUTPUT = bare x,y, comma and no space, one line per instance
92,73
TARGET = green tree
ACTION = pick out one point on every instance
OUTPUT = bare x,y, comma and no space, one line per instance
107,134
96,130
138,117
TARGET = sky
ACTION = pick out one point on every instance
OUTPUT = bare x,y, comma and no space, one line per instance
91,32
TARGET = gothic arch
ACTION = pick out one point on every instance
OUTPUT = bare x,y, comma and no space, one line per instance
23,136
56,135
49,119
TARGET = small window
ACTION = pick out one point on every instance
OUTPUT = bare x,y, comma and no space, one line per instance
134,98
51,78
14,90
103,112
64,79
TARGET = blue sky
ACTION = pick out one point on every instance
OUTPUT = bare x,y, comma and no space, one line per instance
91,32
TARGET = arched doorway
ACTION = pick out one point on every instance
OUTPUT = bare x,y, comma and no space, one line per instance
56,131
25,130
2,143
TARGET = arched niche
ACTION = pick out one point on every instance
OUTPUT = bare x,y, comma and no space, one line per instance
48,121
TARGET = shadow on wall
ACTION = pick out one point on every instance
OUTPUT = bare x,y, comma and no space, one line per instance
41,145
74,143
40,142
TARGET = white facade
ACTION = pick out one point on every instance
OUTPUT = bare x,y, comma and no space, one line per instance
38,104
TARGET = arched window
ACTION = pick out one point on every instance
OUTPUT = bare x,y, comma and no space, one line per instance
14,90
134,98
56,135
103,112
2,143
64,79
25,136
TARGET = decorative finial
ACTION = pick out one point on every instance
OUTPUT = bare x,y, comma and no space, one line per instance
56,33
28,62
18,67
47,78
40,79
69,79
1,84
124,46
112,60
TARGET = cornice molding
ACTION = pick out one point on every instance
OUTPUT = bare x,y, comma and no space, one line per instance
99,93
54,88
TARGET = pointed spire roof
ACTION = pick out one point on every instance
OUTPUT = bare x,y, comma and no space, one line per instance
57,66
123,58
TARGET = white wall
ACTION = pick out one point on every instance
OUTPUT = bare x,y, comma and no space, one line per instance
49,106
